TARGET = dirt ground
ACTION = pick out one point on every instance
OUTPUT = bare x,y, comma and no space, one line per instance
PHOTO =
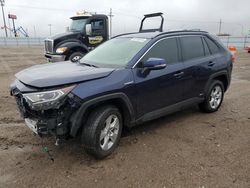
186,149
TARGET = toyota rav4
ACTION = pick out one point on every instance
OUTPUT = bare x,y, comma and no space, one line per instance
128,80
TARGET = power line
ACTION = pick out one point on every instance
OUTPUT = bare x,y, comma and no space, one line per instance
41,8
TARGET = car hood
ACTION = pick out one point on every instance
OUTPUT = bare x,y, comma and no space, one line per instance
66,35
62,73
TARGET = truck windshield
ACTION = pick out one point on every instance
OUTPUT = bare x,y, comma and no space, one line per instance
78,24
115,53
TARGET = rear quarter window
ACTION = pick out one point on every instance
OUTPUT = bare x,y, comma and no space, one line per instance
192,47
213,47
207,51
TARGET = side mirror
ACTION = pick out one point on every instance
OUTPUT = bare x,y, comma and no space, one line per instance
88,29
154,64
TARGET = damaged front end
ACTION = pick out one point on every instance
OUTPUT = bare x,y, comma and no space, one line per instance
47,112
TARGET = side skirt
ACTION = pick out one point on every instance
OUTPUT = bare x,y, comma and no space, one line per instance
168,110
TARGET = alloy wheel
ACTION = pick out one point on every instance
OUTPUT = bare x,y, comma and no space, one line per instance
215,97
110,132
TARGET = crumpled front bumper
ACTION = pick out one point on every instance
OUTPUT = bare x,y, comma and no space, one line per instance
43,123
52,122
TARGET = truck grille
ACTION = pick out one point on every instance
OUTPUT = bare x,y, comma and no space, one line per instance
49,46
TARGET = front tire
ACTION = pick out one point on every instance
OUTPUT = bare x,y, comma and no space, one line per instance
214,97
102,132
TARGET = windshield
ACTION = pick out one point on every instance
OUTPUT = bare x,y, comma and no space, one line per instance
116,52
78,25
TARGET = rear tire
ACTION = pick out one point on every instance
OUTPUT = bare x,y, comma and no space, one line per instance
76,56
214,97
102,132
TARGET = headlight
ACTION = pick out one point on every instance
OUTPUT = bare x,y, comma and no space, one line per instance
48,99
61,50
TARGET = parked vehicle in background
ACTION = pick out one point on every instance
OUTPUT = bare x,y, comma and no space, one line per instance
128,80
86,32
248,49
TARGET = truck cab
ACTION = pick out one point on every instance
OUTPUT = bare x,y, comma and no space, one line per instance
86,32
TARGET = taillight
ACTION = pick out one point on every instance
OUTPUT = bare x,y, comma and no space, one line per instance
233,58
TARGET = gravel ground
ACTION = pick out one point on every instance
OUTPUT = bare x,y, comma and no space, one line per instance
186,149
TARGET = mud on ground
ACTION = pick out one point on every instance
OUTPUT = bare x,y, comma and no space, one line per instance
186,149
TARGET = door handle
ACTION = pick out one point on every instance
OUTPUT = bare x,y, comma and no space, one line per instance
211,63
178,74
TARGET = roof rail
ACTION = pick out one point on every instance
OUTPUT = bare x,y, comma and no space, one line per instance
158,14
182,31
124,34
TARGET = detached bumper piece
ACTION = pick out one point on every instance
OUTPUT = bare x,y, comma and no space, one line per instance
47,127
32,124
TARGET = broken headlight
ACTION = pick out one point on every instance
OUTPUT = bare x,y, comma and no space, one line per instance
47,99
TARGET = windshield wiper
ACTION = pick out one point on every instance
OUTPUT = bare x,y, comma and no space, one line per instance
87,64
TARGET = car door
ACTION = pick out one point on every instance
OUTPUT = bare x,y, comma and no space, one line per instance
198,65
159,88
99,33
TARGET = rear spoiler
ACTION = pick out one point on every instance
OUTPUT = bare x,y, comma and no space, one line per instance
159,14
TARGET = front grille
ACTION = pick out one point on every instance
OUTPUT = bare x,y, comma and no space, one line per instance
49,46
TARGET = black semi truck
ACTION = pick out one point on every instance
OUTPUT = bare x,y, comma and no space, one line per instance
86,32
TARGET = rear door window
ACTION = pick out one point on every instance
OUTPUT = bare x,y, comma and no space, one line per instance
214,49
192,47
166,49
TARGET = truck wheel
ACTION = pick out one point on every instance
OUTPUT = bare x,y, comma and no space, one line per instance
76,56
214,97
102,132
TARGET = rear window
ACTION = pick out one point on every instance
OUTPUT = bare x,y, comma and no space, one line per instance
212,46
192,47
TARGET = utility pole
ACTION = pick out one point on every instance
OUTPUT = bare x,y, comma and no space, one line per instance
34,27
50,25
110,22
9,27
220,24
5,27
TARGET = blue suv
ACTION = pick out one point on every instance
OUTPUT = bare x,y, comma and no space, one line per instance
128,80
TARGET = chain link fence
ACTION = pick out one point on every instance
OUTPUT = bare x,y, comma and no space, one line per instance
19,41
239,42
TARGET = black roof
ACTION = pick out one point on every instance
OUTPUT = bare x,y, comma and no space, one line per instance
151,35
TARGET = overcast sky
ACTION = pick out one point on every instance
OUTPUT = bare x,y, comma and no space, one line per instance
179,14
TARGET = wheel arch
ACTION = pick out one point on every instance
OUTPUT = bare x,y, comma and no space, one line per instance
120,100
74,47
224,80
221,76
